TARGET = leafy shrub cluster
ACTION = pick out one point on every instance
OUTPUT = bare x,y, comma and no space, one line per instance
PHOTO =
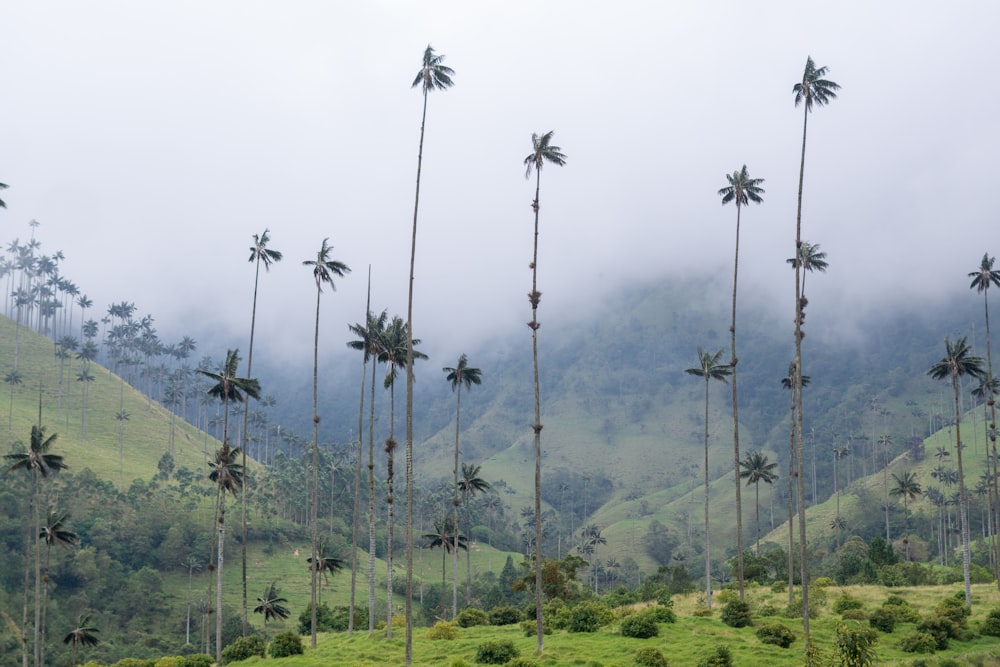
736,614
776,634
918,642
589,616
530,628
244,647
443,630
883,620
505,615
640,626
649,656
286,644
991,625
845,602
496,652
471,617
521,662
722,657
901,610
856,645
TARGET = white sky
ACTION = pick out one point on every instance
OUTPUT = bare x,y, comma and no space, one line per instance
153,139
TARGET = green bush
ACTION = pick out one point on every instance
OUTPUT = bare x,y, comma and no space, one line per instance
955,610
901,610
134,662
779,586
243,648
169,661
530,628
918,642
649,656
854,615
939,627
640,626
198,660
505,615
722,657
471,617
776,634
991,624
661,614
845,602
882,620
589,616
286,644
443,630
725,596
856,645
521,662
824,582
736,614
496,652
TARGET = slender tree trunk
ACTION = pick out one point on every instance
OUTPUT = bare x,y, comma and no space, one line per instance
371,506
736,418
963,498
537,426
708,533
992,434
357,469
454,504
314,491
390,447
221,531
791,497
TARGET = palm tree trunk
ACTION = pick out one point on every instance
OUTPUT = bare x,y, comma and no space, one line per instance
454,503
356,516
963,500
992,434
736,420
314,491
371,506
221,530
791,498
537,426
708,560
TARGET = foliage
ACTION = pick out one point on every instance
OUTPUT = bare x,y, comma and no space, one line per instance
901,610
243,648
589,616
954,610
854,615
776,634
991,625
918,642
505,615
883,620
649,656
286,644
530,628
197,660
496,652
722,657
443,630
661,614
639,626
939,627
470,617
856,645
736,614
521,662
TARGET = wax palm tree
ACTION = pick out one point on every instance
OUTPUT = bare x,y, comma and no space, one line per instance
542,151
393,355
470,484
433,75
756,468
325,563
908,488
82,635
812,90
323,270
958,362
55,531
226,472
39,463
709,369
271,606
741,189
982,279
370,338
447,538
460,375
810,258
3,186
789,382
259,254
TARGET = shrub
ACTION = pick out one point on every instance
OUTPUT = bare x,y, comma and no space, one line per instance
939,627
845,602
589,616
530,628
243,648
856,645
663,599
901,610
882,620
721,658
766,609
505,615
286,644
955,610
736,614
776,634
779,586
918,642
198,660
496,652
169,661
443,630
725,596
521,662
640,626
991,625
471,617
823,582
854,615
649,656
661,614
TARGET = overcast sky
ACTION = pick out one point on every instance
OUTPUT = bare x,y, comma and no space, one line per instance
151,140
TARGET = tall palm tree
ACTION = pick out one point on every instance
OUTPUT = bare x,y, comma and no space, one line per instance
55,531
470,484
82,635
788,382
323,270
371,337
39,463
812,90
393,355
542,151
448,539
982,279
908,488
810,258
326,564
433,75
226,472
741,189
259,254
756,469
710,369
958,362
460,375
271,606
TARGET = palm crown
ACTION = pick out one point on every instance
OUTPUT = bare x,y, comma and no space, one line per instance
324,268
433,75
985,276
463,374
259,252
958,361
814,88
710,368
742,189
543,151
37,458
228,387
